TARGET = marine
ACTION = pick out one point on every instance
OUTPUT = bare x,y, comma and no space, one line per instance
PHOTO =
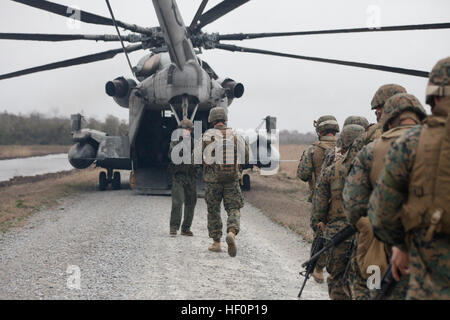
409,207
374,131
333,154
328,215
309,169
223,152
401,112
184,181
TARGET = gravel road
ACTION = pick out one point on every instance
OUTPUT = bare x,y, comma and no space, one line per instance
120,244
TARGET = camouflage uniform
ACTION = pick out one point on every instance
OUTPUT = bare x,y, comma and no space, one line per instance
407,198
229,192
328,208
310,166
362,176
184,190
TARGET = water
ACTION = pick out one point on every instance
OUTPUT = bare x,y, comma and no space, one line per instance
33,166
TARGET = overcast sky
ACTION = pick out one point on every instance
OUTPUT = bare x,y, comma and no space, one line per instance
295,91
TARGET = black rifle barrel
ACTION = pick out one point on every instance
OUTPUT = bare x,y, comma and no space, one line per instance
338,238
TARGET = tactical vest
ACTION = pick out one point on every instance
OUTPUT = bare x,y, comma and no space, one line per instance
373,133
227,170
336,210
381,148
428,203
325,143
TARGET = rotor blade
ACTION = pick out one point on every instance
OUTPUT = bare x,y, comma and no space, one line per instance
198,14
72,62
244,36
218,11
80,15
60,37
411,72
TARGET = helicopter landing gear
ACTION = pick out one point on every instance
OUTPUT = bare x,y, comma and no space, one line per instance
109,177
245,184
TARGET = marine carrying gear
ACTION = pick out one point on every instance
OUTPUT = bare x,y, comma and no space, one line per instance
429,187
350,133
439,81
317,122
400,104
385,92
216,114
363,122
186,124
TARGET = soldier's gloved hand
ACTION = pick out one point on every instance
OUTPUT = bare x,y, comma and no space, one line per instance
321,225
400,262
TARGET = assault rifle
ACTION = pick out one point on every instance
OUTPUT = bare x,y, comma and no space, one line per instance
349,263
310,267
387,284
338,238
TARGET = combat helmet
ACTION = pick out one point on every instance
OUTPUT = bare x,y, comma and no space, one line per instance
439,81
350,133
385,92
217,113
324,123
398,104
186,124
363,122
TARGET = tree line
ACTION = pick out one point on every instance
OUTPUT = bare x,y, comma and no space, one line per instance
295,137
37,128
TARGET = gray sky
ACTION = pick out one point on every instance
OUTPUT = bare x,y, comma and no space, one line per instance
295,91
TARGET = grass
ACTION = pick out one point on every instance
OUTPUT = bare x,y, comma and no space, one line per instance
18,202
283,197
20,151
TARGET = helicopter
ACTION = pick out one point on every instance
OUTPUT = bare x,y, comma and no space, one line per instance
171,83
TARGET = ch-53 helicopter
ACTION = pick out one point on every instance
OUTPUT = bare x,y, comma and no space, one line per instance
173,84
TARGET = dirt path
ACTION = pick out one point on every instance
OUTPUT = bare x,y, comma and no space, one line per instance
120,243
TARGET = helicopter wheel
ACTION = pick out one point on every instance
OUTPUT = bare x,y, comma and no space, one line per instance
116,181
102,181
246,182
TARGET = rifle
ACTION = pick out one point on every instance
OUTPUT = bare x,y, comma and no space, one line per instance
310,267
338,238
387,284
349,262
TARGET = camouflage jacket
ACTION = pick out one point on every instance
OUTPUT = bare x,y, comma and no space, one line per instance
323,199
309,171
191,170
429,260
209,170
358,186
373,133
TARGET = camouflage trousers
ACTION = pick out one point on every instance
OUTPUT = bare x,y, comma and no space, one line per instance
358,284
338,257
184,190
429,263
233,201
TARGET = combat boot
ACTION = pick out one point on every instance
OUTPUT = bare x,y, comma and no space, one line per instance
318,275
231,241
215,247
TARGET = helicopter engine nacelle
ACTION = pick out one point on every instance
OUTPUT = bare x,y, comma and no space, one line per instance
233,89
82,155
119,89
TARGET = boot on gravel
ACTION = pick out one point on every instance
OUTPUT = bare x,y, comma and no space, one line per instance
231,241
173,232
318,275
215,247
188,233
